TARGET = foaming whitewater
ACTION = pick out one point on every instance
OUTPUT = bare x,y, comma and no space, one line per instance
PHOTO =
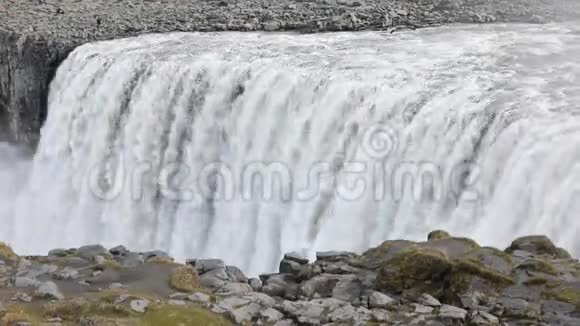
161,141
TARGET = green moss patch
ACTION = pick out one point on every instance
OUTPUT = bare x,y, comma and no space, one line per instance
438,235
185,279
538,265
182,315
6,253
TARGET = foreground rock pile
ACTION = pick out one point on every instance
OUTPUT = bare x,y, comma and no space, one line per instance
443,281
36,35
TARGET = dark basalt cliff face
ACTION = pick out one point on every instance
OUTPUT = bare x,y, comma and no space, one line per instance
36,35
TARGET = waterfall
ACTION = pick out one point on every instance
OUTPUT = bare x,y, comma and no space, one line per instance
244,146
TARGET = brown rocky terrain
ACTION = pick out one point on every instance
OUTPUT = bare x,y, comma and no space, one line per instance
443,281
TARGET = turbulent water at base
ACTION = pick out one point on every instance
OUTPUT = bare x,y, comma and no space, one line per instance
488,117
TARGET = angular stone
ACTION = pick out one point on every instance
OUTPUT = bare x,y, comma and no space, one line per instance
379,300
290,267
451,313
334,255
271,315
234,289
482,318
256,284
421,309
282,285
428,300
215,279
245,313
343,287
206,265
236,274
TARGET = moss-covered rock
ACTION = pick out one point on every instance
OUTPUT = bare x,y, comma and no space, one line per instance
374,258
185,279
538,265
6,253
421,269
569,293
452,247
537,245
438,235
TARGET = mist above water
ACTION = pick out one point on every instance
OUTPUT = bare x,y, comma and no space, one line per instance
14,168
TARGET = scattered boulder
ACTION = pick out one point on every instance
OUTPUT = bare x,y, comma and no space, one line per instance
537,245
206,265
90,252
185,279
49,290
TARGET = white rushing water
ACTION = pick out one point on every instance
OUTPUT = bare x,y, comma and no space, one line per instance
484,118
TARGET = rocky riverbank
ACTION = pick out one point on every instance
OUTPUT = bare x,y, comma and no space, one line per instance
36,35
442,281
